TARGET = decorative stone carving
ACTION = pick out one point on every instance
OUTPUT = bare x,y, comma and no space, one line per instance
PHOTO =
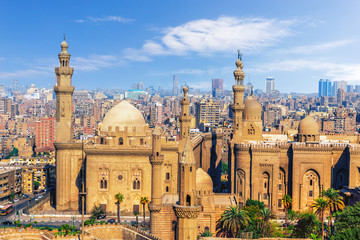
186,212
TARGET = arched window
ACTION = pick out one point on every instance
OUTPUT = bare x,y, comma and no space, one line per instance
63,63
141,141
311,182
206,229
134,184
188,200
138,184
105,183
102,184
121,141
167,189
101,140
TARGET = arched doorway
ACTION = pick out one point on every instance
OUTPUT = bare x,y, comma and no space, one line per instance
310,188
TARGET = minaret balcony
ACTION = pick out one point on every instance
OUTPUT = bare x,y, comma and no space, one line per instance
187,211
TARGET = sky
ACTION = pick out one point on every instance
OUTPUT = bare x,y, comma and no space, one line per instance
114,44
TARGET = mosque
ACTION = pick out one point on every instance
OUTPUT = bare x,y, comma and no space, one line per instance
127,156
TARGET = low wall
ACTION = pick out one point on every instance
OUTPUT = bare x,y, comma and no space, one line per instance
37,205
217,238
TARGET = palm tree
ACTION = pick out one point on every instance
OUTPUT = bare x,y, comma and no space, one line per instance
287,201
266,215
143,201
119,197
321,206
233,219
335,200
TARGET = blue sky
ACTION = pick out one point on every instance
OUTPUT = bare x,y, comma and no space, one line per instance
117,43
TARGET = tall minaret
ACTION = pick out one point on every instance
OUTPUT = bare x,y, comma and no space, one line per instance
238,105
64,91
156,160
237,108
186,210
185,117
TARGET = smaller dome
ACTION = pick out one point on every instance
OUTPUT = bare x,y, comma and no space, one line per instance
203,181
64,44
252,108
308,126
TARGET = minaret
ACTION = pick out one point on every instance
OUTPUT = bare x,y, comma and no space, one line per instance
238,105
156,160
64,91
185,117
237,108
186,210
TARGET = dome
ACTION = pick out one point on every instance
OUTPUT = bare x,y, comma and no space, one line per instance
64,44
308,126
252,108
123,114
203,181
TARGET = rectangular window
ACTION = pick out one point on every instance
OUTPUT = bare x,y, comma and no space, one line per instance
310,193
279,203
280,187
265,196
167,176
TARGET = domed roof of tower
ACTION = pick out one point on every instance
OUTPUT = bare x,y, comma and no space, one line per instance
64,44
203,181
123,114
308,126
252,107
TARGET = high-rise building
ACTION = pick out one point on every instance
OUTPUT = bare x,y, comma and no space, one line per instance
338,85
217,87
357,89
156,114
175,85
207,112
340,96
350,88
325,88
269,85
45,133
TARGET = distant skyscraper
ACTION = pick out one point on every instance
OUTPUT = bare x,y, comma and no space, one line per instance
269,85
217,87
325,88
357,88
338,85
141,86
175,85
350,88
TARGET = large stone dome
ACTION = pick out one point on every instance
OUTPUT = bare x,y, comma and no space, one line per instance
308,126
123,114
203,181
252,109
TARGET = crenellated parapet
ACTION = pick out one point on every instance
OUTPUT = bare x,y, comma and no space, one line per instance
265,148
314,147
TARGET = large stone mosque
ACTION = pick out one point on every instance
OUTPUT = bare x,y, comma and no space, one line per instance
127,156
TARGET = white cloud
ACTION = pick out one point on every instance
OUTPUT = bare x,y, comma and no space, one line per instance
311,49
225,34
105,19
334,71
23,73
95,62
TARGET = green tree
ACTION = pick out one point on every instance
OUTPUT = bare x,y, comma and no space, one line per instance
321,205
14,152
336,202
66,228
137,218
251,202
347,223
11,197
224,168
119,198
287,201
307,224
144,201
96,212
255,222
232,220
36,185
266,215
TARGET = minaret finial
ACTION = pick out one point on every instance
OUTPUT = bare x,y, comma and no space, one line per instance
64,36
239,54
251,90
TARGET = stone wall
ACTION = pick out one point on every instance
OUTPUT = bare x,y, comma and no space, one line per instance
37,205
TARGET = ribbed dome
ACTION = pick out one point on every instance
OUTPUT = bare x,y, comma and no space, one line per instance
203,181
252,108
123,114
308,126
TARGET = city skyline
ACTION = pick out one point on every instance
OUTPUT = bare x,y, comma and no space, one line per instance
117,44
